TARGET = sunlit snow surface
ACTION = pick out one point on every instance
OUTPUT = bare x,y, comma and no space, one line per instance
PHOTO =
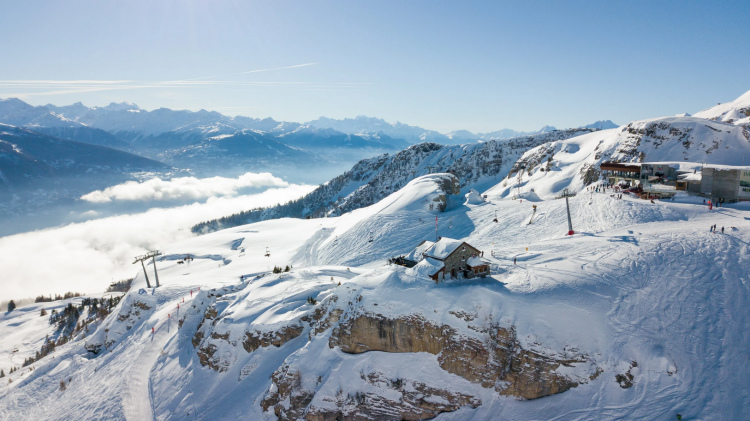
637,282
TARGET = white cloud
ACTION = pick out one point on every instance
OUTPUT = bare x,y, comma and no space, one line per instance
182,188
87,256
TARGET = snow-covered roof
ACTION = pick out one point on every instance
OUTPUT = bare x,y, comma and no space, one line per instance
416,254
429,266
443,248
477,261
690,177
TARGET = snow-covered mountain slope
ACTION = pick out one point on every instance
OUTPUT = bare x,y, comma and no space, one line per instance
734,112
601,125
30,155
477,165
42,120
371,125
313,138
168,134
238,152
575,162
39,171
414,134
641,314
125,117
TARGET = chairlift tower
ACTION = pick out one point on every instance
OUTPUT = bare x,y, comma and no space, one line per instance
566,194
150,255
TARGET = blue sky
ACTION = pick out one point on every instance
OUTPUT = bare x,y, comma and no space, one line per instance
442,65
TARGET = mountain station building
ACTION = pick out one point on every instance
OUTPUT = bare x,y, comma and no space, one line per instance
448,258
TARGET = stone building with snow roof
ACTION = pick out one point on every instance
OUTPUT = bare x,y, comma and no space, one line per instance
449,258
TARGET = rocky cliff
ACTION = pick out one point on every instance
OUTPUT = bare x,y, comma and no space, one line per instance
347,330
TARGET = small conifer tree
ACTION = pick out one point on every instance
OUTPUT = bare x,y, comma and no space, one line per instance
11,306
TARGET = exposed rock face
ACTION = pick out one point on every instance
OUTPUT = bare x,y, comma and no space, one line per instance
626,380
397,400
287,386
493,358
498,362
255,340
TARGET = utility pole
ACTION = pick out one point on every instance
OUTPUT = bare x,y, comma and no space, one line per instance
150,255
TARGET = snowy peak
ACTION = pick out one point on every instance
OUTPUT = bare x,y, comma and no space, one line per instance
122,106
601,125
433,193
369,125
734,112
11,105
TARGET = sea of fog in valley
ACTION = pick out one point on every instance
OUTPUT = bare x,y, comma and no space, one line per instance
105,229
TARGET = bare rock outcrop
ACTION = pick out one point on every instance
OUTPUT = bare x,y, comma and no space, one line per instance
498,361
399,399
487,355
254,340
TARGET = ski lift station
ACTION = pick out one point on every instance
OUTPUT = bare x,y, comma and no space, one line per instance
720,183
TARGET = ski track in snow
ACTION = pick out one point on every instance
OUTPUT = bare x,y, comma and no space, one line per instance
137,399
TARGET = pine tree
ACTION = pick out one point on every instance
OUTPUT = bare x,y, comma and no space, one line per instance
11,306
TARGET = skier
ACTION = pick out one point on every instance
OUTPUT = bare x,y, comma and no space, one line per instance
514,260
722,230
152,330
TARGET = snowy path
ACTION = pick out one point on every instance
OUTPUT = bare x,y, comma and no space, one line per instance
137,401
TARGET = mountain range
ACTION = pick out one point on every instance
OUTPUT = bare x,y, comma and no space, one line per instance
39,170
202,143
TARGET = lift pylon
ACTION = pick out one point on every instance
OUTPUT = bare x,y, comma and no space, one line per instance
150,255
